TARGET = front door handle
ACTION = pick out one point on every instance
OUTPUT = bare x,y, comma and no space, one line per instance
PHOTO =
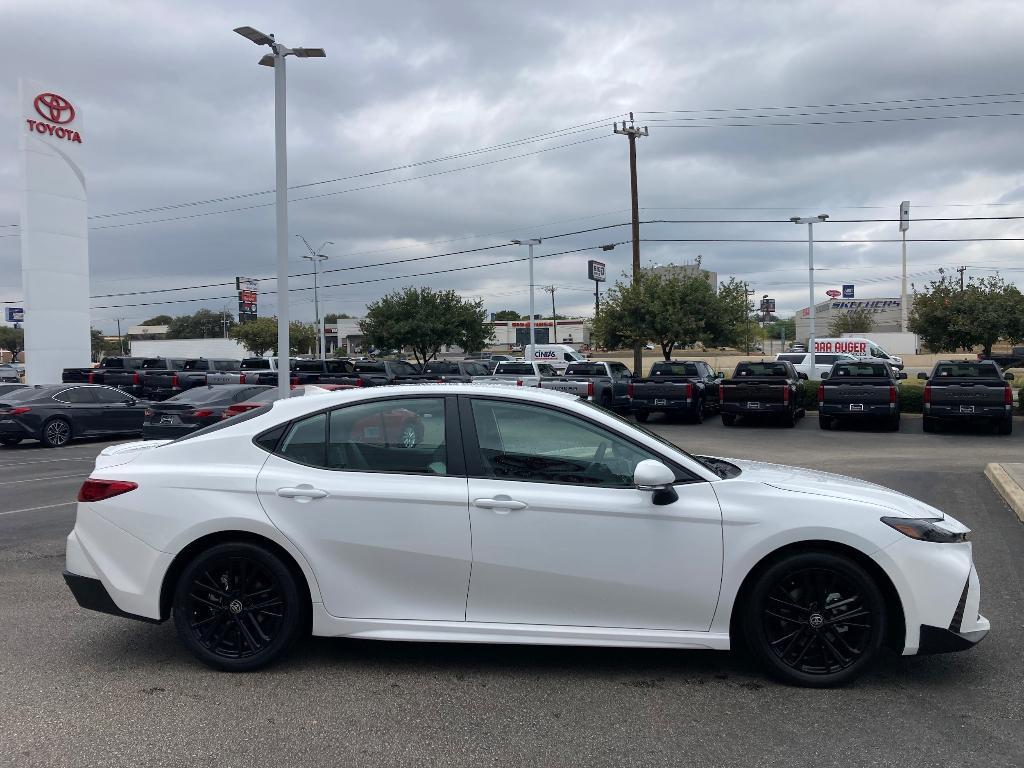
501,505
302,493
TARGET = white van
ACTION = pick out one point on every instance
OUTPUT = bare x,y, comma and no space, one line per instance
858,347
557,355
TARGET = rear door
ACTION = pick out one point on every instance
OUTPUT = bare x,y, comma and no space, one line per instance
374,494
80,406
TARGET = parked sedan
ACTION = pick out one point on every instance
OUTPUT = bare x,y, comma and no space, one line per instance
5,388
263,398
518,516
57,414
195,408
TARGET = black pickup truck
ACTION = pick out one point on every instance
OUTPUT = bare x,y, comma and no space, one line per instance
686,388
968,391
97,375
1013,360
448,372
377,373
131,381
763,388
319,371
195,372
606,384
860,391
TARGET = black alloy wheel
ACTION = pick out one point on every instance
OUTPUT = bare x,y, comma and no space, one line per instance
815,619
56,433
237,607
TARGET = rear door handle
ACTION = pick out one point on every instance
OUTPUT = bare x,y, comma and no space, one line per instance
301,493
501,505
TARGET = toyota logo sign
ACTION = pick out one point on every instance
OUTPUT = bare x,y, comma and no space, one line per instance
54,108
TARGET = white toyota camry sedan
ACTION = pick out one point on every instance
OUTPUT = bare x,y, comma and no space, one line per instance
465,513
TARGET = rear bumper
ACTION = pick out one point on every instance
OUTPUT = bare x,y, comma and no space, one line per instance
92,595
744,408
953,412
869,412
667,405
11,428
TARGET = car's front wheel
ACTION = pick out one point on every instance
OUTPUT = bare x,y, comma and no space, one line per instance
815,619
237,607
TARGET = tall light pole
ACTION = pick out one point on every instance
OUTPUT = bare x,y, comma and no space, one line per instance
904,226
530,243
276,60
810,221
316,256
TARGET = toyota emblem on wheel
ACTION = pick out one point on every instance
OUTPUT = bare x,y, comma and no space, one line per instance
54,108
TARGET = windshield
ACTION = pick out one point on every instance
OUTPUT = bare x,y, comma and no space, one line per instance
842,370
674,369
245,416
968,369
256,364
196,365
761,369
514,369
25,393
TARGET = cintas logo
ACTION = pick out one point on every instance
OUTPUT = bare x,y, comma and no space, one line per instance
56,111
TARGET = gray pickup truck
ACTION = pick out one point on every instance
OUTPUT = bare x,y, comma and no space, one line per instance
764,388
606,384
968,391
196,372
860,391
132,381
687,388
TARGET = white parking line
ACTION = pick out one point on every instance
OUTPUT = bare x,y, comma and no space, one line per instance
43,479
36,509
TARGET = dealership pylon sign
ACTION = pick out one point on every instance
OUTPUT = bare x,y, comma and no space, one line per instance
54,235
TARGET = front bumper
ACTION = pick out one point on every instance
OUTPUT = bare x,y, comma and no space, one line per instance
940,640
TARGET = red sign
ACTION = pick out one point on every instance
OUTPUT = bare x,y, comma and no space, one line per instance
833,293
841,346
54,108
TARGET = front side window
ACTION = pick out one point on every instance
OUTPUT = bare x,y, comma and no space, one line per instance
541,445
876,352
395,435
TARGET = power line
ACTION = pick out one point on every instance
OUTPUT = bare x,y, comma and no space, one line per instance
849,122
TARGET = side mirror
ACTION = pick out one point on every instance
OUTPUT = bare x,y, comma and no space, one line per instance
825,375
901,374
652,475
719,375
922,375
1008,376
801,375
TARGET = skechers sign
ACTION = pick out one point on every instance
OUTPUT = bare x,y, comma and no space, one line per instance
56,112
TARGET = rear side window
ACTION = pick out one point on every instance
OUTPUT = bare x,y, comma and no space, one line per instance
515,369
968,370
405,436
77,395
108,395
306,441
259,364
196,365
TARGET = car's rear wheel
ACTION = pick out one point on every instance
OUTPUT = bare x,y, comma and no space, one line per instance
789,419
237,607
410,437
824,422
698,414
56,433
9,441
928,424
894,423
1006,426
642,416
815,619
728,419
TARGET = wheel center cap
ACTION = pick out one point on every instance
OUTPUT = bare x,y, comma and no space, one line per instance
235,606
817,621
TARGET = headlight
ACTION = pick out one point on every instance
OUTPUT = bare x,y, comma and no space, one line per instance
925,529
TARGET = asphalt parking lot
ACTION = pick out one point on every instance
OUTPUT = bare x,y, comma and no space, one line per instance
83,689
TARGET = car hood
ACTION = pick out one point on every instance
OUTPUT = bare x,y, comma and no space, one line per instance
817,483
116,455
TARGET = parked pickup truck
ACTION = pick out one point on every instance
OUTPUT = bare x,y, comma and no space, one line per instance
823,362
449,372
96,375
860,391
967,391
517,373
320,371
766,387
606,384
131,381
195,372
686,388
375,373
1013,360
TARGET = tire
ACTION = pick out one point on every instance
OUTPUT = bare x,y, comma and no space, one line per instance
56,433
642,416
894,423
1006,426
219,623
7,442
698,414
789,419
728,419
928,424
821,647
606,401
824,422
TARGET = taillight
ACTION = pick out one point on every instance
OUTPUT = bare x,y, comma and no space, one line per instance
92,378
892,395
590,389
629,389
821,394
721,393
1008,395
98,490
785,395
18,411
295,380
202,413
174,380
519,382
927,394
360,383
135,378
689,391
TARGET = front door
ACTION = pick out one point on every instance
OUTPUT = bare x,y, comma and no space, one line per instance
562,537
374,494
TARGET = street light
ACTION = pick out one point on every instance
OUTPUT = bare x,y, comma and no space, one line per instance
810,222
531,243
316,256
276,60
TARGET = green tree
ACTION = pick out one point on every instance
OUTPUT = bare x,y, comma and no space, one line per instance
301,338
857,321
259,336
425,320
782,329
949,319
12,339
204,324
333,317
103,347
158,320
730,324
506,314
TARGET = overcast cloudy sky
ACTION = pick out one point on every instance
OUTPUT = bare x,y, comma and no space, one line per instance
178,112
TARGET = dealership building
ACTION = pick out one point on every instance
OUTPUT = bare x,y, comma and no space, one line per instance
885,313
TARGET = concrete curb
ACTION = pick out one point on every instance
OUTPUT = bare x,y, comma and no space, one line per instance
1007,487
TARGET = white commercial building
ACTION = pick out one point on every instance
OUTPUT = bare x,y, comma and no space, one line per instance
509,334
885,314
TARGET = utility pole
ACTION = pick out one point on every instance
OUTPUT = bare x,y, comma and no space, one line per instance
120,341
746,316
554,322
631,133
961,270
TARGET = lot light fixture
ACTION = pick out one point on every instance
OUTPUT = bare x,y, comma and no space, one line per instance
810,221
276,60
532,242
